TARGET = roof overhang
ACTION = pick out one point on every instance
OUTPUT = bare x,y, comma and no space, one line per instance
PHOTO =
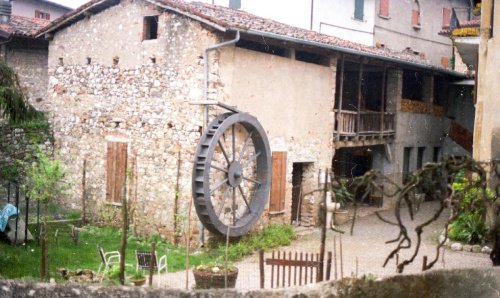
468,48
353,52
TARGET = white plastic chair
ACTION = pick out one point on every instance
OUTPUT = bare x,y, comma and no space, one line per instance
144,260
108,259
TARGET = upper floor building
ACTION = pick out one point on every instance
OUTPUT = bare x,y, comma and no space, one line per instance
40,9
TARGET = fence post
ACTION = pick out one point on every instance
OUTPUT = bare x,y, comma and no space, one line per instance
151,263
26,221
261,268
17,208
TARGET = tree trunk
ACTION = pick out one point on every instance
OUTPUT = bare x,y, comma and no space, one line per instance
495,252
123,245
43,263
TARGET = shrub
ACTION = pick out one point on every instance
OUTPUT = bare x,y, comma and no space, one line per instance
469,227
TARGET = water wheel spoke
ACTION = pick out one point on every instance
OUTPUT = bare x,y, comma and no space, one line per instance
233,136
251,180
244,198
218,168
251,159
224,197
218,185
247,141
224,152
234,206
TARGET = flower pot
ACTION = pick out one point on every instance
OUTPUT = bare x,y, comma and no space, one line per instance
340,217
139,281
210,280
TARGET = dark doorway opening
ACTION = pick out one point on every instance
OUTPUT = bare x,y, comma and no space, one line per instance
297,177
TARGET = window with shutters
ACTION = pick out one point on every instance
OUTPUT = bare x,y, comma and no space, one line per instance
359,7
235,4
384,8
116,171
415,15
42,15
446,17
278,182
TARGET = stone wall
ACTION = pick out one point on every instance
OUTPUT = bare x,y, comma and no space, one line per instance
28,58
108,85
440,283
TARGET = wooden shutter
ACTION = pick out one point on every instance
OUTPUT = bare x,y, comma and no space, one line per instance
415,18
446,17
37,14
359,7
278,182
116,170
445,62
384,8
48,16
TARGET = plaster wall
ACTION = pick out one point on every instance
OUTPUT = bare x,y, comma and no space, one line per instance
396,31
27,8
293,100
487,122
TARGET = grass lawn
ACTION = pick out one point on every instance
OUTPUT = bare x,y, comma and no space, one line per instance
24,261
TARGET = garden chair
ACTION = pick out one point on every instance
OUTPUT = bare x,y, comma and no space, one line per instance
144,261
108,259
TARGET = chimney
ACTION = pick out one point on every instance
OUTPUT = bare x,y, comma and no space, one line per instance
5,11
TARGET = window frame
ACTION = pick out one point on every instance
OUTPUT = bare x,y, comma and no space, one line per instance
150,32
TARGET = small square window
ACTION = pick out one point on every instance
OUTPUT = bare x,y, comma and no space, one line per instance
150,30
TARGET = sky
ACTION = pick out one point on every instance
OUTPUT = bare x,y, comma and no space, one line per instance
70,3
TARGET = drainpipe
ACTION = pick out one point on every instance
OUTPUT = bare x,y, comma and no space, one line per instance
205,98
205,71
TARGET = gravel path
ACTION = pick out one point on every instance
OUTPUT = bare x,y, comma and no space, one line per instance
367,245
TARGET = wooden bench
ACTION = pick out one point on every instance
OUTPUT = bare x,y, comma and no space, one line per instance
292,269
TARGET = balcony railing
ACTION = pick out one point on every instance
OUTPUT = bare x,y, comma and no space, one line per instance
363,123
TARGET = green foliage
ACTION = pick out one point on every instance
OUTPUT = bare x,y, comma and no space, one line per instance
12,101
342,193
274,235
44,178
9,172
469,227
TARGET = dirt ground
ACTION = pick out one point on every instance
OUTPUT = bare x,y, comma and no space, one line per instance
363,253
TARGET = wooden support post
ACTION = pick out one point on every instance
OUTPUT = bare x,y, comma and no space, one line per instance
341,95
382,101
152,263
328,266
360,79
323,230
335,256
261,268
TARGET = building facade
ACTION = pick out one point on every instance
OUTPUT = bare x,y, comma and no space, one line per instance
125,105
40,9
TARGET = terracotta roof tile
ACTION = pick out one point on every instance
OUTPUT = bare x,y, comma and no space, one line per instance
227,18
23,26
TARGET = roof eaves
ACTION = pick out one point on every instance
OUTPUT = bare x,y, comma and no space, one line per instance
201,19
350,51
55,24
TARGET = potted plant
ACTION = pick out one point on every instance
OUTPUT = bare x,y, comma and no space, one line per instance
214,276
342,196
138,278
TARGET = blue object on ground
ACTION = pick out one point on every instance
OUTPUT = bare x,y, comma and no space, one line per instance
8,211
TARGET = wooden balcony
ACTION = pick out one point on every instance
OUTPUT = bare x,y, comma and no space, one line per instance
376,127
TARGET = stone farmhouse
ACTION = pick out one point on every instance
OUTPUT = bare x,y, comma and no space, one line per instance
126,78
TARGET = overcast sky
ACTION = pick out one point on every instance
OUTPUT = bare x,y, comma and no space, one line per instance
70,3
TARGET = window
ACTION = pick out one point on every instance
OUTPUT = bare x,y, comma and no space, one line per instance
278,182
446,17
116,166
415,15
235,4
436,153
440,91
412,85
420,157
42,15
150,30
384,8
359,7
